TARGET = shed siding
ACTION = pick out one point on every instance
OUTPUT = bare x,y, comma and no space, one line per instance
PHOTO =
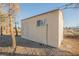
50,34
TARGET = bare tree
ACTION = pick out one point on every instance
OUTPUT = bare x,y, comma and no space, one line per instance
11,9
16,28
2,20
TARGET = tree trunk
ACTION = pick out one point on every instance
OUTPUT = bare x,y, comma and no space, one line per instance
1,31
16,30
12,32
2,27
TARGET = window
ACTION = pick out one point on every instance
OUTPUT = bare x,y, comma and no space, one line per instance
40,23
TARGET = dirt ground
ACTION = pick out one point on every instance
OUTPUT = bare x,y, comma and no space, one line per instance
71,44
29,48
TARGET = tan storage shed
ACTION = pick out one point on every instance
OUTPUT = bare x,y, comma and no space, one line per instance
46,28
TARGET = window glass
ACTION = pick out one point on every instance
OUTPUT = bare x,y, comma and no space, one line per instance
40,23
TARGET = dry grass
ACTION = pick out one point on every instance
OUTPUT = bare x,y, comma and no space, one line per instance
71,44
71,41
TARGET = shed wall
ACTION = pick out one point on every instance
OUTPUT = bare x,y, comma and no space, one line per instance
50,34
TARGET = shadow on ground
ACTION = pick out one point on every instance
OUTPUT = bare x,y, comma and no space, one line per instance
27,43
6,41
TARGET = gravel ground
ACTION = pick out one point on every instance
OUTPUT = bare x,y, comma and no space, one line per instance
29,48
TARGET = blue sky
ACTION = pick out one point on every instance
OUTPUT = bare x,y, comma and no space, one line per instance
71,16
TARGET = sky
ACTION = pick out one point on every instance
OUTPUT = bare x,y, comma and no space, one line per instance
71,16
